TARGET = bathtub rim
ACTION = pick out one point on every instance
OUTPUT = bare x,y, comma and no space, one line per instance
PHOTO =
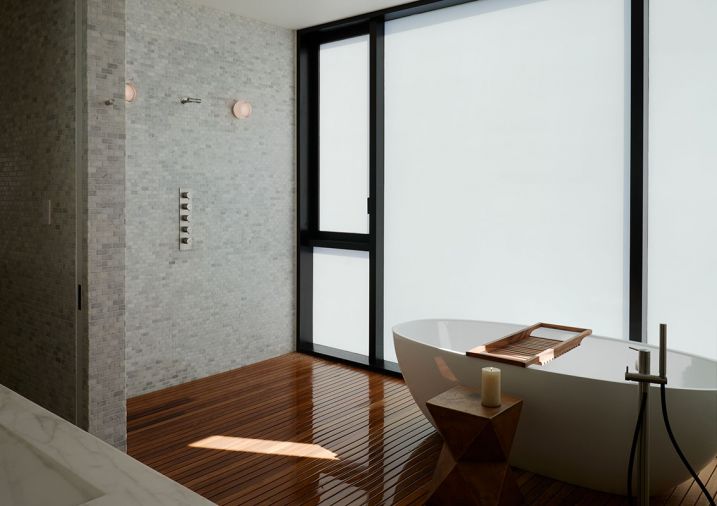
537,367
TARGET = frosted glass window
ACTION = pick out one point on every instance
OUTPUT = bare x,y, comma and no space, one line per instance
344,135
507,152
341,285
682,219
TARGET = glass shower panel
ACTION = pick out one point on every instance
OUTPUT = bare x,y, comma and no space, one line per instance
341,299
507,150
344,135
682,209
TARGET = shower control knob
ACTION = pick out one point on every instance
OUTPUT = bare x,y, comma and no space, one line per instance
185,218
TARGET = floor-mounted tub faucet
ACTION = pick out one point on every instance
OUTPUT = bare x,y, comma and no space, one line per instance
644,379
642,428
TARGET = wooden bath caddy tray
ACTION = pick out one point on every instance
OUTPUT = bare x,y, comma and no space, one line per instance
537,344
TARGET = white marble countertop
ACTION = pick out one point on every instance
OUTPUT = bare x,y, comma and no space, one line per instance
45,460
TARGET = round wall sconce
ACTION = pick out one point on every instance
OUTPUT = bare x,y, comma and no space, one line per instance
241,109
130,92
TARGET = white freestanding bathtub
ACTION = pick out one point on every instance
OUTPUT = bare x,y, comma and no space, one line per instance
578,412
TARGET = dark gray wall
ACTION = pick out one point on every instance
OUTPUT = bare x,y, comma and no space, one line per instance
230,300
37,164
73,156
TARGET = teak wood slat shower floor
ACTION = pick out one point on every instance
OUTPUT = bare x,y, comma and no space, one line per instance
384,448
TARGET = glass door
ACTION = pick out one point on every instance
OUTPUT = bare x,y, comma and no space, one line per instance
339,175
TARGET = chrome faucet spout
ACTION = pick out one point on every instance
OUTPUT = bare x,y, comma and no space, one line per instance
663,351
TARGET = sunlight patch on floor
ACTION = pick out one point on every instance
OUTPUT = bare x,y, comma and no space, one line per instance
265,446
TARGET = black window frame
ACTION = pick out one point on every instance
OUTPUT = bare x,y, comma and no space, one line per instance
310,236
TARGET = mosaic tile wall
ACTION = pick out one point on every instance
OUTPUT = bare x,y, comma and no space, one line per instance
230,300
105,187
37,149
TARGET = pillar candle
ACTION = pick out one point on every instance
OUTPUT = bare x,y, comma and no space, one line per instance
490,387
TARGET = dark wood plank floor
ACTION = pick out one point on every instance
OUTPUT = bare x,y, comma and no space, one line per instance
385,449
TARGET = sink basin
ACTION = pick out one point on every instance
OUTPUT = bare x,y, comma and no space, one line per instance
30,478
45,460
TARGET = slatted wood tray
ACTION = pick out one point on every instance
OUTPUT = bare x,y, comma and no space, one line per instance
526,347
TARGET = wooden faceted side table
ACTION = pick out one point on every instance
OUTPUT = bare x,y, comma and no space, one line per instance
473,465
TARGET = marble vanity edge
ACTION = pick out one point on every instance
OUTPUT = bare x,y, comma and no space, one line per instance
122,479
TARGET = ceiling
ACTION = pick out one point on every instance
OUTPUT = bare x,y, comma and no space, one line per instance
297,14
